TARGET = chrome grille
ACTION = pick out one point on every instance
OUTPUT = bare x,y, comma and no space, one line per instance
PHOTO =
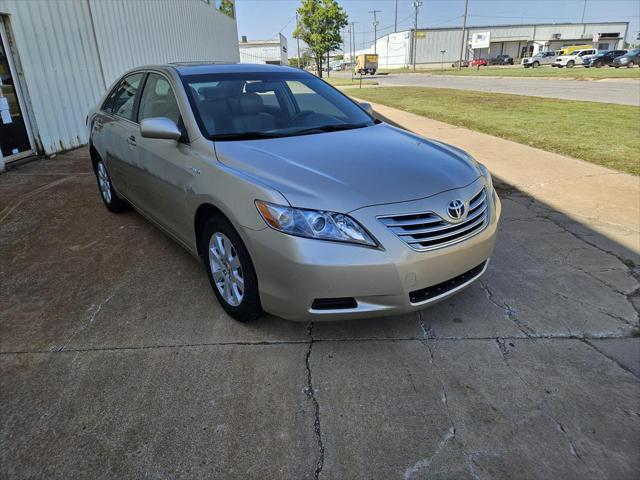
427,230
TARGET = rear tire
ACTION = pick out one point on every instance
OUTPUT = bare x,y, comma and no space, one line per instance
535,64
110,198
230,270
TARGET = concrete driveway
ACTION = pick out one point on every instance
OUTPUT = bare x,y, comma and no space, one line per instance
116,361
620,91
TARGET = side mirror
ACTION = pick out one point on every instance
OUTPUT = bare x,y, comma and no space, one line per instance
366,106
160,127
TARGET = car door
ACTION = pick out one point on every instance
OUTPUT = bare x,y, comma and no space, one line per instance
164,168
117,128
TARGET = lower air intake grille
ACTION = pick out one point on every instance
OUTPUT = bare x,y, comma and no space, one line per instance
428,293
334,303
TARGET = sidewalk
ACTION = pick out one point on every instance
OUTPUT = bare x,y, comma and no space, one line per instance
606,201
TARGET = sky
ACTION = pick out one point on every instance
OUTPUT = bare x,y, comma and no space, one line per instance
264,19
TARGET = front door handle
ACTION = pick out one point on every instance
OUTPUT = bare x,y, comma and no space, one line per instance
131,141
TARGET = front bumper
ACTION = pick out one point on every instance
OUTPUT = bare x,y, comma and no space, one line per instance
293,272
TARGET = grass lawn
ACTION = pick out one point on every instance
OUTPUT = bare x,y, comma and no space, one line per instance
576,73
346,82
600,133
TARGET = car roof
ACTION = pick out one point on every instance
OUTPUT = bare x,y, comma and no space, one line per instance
199,68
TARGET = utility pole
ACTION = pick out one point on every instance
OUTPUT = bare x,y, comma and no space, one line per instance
416,5
375,29
395,28
584,9
464,27
353,48
298,40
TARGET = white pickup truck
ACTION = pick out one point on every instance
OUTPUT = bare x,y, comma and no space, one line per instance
540,58
575,58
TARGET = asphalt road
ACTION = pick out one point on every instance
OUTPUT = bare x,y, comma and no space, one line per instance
623,92
117,362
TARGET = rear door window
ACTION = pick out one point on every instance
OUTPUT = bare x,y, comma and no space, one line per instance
122,101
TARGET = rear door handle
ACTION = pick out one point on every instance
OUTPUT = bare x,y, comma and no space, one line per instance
131,141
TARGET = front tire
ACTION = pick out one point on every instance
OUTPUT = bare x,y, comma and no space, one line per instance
110,198
230,270
630,64
570,64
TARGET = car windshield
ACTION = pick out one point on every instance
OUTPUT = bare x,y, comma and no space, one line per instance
246,106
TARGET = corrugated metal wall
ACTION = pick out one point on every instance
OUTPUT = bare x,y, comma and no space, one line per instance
505,39
66,65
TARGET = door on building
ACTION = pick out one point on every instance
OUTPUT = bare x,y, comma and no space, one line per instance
15,142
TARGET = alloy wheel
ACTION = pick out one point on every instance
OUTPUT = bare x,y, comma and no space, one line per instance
226,269
103,181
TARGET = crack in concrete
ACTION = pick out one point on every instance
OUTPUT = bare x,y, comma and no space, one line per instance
310,393
597,307
504,351
8,210
561,429
427,331
609,357
425,463
95,310
258,343
445,400
510,313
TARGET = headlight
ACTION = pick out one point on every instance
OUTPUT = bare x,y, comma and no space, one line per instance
314,224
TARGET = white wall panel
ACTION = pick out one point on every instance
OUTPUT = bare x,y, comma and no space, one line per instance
65,66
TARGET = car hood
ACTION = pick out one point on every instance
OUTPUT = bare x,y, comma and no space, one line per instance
346,170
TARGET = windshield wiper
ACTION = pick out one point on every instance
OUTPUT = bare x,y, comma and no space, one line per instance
329,128
245,136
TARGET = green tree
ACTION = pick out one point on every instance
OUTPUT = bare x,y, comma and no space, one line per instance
319,27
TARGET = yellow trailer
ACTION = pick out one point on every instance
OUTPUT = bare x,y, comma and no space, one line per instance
366,63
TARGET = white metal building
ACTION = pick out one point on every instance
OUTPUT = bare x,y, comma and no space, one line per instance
395,49
58,57
273,52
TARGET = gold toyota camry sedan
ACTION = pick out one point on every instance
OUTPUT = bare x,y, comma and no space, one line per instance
296,199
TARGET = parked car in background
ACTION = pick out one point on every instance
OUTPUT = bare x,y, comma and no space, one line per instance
575,58
628,60
464,63
501,60
479,62
603,58
231,161
540,58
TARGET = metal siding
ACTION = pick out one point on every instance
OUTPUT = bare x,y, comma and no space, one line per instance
150,31
393,50
428,48
59,58
260,53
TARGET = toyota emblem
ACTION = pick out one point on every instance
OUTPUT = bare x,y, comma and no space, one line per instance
456,209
